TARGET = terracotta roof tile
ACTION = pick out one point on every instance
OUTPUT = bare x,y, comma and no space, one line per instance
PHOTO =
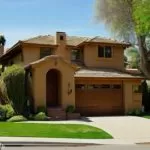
71,40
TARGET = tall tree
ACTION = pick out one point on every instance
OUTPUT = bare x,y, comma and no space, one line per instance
129,20
133,57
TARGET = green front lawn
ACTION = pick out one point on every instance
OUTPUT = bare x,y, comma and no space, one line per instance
147,116
52,131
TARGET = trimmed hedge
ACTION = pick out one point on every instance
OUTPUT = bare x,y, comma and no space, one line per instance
17,118
14,84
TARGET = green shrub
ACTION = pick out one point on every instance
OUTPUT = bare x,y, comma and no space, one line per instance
41,116
9,111
41,109
135,112
14,81
70,109
17,118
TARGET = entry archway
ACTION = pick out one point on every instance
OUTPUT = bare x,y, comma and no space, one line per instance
52,88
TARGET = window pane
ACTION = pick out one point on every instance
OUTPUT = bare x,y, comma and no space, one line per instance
105,86
116,86
44,51
100,51
96,86
108,52
89,87
75,54
80,86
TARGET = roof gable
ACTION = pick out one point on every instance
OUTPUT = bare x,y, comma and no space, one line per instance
56,58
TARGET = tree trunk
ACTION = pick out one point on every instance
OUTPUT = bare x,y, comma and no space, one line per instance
145,63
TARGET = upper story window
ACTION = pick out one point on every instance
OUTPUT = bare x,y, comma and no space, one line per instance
45,51
104,51
75,55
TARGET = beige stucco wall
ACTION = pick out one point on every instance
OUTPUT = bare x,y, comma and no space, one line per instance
39,82
131,100
91,57
30,54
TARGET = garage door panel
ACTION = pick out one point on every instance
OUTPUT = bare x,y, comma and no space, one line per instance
99,101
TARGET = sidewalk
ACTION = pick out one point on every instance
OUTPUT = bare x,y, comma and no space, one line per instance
61,141
66,141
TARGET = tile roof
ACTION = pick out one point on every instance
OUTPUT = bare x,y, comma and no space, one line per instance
49,39
103,73
106,40
71,40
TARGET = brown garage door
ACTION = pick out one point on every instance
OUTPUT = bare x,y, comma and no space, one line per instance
102,99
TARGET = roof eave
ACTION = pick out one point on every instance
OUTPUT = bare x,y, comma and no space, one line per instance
89,42
106,78
38,44
10,50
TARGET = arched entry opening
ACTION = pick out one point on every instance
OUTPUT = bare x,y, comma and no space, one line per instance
52,88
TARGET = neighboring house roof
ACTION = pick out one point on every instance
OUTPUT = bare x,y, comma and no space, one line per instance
106,73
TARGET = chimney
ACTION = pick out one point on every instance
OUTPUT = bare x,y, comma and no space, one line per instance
1,50
60,38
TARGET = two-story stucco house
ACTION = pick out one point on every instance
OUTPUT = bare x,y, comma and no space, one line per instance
87,73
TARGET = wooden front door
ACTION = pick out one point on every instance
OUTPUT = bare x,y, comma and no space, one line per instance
52,88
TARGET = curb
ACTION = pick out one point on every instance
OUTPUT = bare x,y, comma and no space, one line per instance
26,144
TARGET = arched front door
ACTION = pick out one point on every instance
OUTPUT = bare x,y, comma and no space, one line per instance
52,81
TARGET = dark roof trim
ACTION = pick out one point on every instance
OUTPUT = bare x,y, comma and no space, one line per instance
112,78
37,44
12,51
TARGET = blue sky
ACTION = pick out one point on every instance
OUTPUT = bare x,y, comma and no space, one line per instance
21,19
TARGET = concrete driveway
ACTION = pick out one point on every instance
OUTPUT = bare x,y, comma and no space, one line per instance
126,127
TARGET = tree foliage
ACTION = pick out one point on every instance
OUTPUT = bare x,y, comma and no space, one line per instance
117,16
14,81
141,15
133,57
128,20
2,40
